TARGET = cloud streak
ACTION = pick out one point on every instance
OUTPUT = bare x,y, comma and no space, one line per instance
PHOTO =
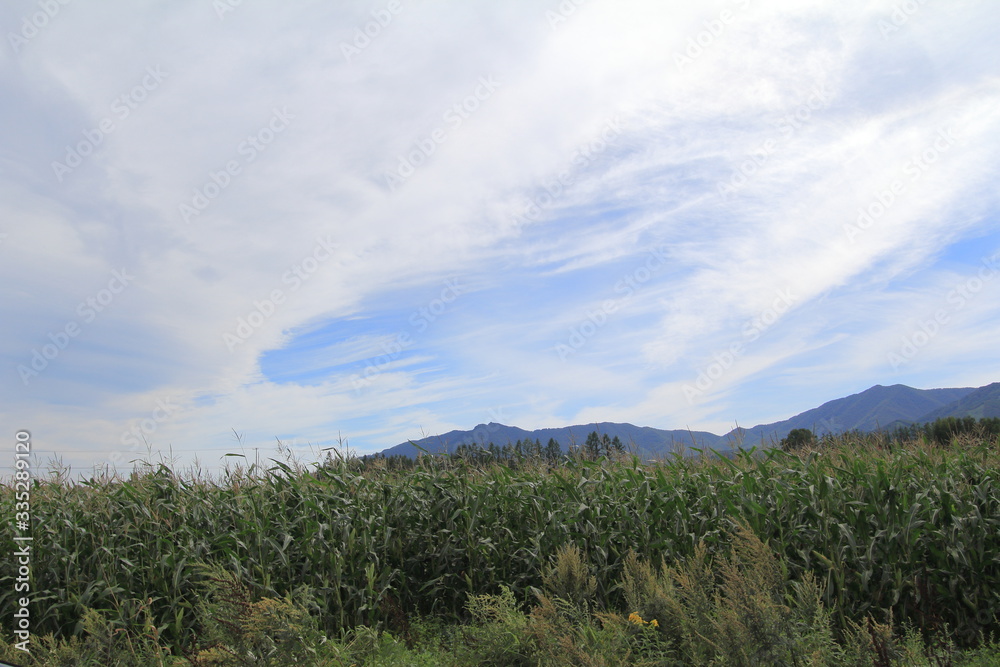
291,191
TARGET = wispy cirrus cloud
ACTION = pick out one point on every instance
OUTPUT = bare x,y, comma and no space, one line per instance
798,149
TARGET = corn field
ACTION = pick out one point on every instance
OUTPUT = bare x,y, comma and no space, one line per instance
914,530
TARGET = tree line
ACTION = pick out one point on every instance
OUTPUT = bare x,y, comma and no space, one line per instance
940,431
513,453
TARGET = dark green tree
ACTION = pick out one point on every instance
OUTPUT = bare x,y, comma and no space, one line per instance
797,439
552,450
944,430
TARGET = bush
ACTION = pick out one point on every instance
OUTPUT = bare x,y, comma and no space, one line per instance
241,632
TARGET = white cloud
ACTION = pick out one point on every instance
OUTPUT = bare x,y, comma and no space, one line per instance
836,106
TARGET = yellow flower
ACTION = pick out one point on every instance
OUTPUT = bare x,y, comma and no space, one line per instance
654,623
635,618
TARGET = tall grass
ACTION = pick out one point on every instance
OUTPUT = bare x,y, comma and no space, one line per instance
912,531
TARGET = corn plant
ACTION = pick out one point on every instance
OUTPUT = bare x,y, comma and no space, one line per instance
910,530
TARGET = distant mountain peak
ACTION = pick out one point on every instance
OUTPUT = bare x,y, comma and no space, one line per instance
877,407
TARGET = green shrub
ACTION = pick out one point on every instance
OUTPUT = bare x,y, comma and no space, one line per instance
237,631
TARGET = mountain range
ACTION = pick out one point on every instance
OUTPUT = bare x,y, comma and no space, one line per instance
876,408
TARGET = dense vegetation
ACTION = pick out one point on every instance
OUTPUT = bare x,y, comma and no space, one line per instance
943,431
848,540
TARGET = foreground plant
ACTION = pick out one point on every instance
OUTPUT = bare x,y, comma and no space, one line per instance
905,531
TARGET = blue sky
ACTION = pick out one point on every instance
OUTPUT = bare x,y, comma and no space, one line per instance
362,223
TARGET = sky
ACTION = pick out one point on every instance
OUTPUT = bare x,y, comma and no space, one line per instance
229,227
